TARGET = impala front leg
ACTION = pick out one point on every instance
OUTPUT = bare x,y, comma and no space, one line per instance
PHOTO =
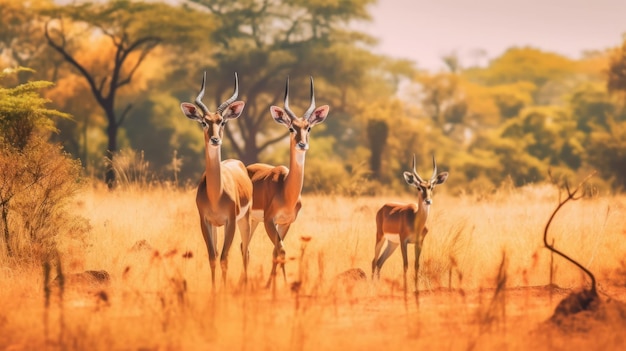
229,234
418,252
405,261
279,251
209,235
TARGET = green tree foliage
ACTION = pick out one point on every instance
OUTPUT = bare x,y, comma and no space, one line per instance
23,110
607,152
135,29
21,41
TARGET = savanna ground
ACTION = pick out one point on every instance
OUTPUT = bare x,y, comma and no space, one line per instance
484,280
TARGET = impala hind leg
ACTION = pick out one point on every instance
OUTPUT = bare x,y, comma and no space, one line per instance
379,245
391,247
246,236
229,235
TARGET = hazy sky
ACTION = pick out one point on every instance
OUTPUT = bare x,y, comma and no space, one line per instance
424,30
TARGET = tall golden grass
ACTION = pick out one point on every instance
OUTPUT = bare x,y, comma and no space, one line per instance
160,296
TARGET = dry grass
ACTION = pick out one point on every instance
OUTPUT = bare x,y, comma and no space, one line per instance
160,298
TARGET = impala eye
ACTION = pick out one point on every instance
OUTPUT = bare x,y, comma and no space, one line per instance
292,130
203,124
308,129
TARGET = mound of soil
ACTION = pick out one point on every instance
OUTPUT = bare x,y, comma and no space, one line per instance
584,311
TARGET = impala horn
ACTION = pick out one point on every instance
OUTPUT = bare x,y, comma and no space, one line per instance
415,171
201,95
287,109
308,112
232,99
434,169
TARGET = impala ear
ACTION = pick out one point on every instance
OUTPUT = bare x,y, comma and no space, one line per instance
441,178
319,115
191,111
280,116
409,178
233,110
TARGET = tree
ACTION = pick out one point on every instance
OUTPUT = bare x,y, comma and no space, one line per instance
267,40
21,42
616,81
134,29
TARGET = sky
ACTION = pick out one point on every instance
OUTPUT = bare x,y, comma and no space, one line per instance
479,30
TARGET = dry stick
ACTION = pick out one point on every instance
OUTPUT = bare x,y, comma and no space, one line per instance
571,195
552,269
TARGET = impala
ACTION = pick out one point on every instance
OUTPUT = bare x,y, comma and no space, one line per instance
276,197
404,223
224,194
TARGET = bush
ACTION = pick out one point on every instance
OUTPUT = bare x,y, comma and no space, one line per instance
36,186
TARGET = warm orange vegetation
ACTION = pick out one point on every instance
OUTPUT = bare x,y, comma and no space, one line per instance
160,297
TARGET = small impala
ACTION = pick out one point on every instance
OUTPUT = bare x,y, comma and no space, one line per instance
224,194
276,199
402,223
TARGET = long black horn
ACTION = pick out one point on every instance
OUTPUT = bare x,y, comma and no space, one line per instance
415,171
308,112
232,99
434,169
287,109
201,95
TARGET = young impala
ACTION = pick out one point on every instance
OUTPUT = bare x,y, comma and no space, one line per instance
276,199
224,194
402,223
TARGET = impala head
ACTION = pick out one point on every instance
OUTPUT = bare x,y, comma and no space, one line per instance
213,123
425,187
299,128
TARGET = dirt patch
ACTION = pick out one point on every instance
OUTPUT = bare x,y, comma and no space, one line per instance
584,311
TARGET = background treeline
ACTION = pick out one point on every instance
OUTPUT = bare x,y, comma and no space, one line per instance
121,68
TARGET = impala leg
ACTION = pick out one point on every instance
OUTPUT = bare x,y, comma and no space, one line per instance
405,261
246,237
418,251
391,247
209,234
377,248
282,232
229,235
279,251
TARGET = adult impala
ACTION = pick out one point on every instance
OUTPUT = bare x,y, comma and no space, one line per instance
276,199
404,223
224,194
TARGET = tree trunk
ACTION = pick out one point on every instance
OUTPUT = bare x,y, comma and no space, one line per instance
377,132
110,176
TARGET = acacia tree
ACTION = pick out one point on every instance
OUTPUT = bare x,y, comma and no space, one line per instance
135,30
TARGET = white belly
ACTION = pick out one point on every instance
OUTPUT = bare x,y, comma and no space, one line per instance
394,238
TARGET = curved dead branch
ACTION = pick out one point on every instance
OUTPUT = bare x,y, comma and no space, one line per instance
572,195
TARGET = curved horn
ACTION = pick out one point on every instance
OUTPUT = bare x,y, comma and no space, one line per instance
201,95
232,99
434,169
415,171
308,112
287,109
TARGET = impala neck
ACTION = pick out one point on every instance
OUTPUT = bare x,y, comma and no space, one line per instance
295,177
213,160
